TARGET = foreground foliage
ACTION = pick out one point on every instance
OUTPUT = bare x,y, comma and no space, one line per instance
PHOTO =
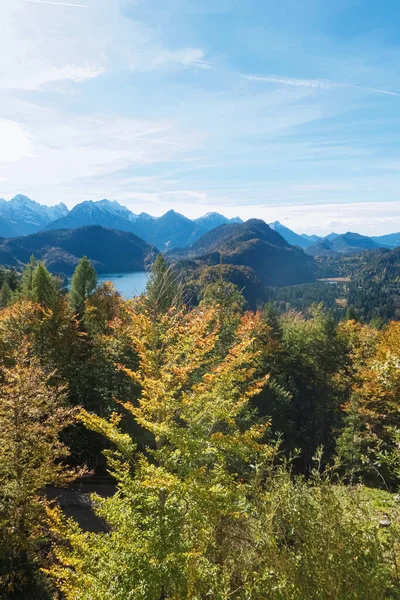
210,420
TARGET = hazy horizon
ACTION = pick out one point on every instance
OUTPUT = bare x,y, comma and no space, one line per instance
283,111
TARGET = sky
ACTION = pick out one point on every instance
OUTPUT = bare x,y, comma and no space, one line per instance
284,110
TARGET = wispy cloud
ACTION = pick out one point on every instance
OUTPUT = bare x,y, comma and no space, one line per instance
36,79
186,57
323,84
56,3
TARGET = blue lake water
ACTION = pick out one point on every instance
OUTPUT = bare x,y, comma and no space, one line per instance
127,284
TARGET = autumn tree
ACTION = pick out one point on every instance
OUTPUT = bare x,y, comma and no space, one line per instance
32,415
206,510
369,443
177,502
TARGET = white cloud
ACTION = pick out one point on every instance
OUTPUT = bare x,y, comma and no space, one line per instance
186,57
49,74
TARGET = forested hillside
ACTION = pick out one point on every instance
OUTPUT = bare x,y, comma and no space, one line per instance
251,254
60,251
254,455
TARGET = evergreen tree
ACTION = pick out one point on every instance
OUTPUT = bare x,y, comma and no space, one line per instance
351,314
162,288
83,284
27,278
229,303
5,295
44,287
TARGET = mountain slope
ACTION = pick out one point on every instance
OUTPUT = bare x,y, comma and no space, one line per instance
310,238
294,239
172,230
109,250
391,240
347,243
23,216
255,245
104,213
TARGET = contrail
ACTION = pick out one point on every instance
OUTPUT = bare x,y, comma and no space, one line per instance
56,3
323,84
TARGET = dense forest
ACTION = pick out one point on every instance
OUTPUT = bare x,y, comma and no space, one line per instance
254,453
365,286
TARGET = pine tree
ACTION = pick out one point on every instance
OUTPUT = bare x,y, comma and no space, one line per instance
83,284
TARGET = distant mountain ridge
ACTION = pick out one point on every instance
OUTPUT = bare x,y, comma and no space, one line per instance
347,243
213,219
290,236
391,240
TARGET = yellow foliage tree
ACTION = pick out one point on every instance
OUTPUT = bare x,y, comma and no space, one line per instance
371,440
32,415
187,497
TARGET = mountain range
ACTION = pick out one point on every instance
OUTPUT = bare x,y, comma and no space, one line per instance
23,216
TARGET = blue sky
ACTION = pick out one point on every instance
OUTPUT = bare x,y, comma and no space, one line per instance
284,110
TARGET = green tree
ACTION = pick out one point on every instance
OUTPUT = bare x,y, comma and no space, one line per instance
162,290
44,287
27,277
12,279
5,295
229,303
83,284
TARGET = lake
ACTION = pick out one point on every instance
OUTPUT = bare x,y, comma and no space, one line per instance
127,284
